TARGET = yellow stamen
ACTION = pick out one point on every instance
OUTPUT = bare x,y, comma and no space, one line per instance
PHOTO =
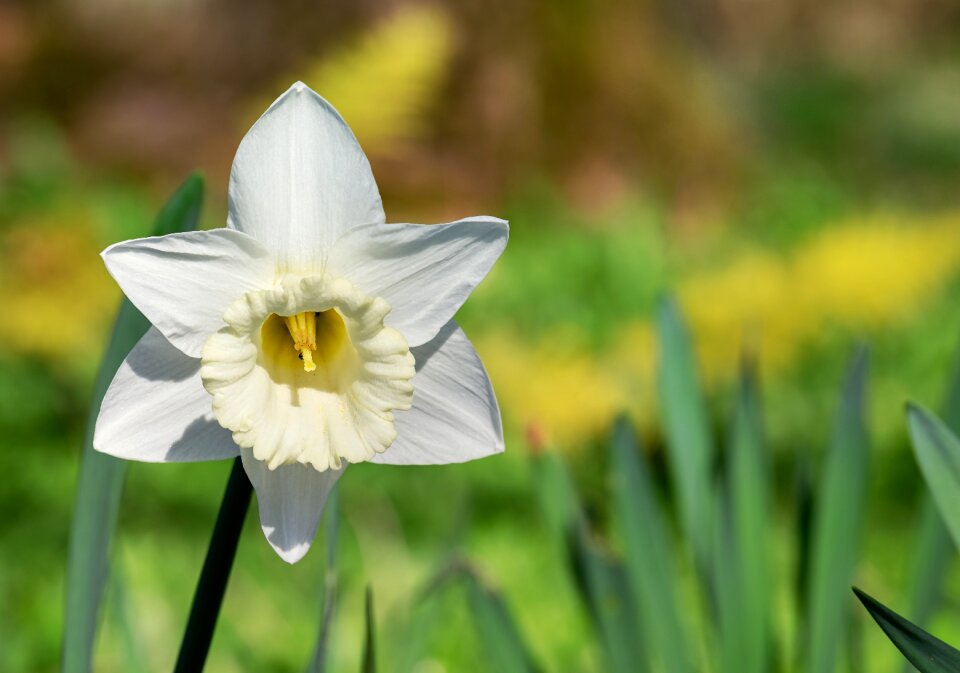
308,364
303,330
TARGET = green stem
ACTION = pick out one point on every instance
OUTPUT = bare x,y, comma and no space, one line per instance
216,571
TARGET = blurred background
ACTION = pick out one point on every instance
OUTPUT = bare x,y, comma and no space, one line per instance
789,171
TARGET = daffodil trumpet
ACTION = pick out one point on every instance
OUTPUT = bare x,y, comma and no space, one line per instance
307,334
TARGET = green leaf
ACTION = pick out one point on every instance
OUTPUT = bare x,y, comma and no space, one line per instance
803,526
504,647
321,650
600,579
558,498
747,534
648,548
837,523
604,588
689,441
100,481
938,454
927,653
741,572
727,588
934,547
934,554
411,641
369,643
120,609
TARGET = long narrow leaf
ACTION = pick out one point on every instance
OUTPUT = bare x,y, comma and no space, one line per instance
120,609
425,612
558,499
727,588
369,643
934,547
749,505
741,586
604,587
838,520
411,643
600,580
927,653
648,548
689,443
321,650
803,499
934,553
101,477
938,453
504,647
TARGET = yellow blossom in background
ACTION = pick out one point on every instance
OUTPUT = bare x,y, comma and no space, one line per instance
385,81
857,274
565,392
633,358
743,305
867,273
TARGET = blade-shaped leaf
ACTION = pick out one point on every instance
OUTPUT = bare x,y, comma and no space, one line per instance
938,453
934,547
120,609
558,498
689,442
600,579
803,499
927,653
727,588
100,481
412,641
369,643
934,553
505,649
604,588
321,651
748,533
837,524
425,612
648,549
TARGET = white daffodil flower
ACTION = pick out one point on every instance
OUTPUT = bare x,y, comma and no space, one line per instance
307,334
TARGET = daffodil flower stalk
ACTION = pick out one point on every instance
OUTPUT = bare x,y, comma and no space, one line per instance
307,334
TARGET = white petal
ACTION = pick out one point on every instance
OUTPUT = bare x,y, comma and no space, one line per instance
157,411
291,500
184,282
455,417
300,180
425,272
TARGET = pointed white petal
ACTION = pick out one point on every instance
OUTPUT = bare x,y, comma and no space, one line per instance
157,411
290,499
425,272
300,180
184,282
455,417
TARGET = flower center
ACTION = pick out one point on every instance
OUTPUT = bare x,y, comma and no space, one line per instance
320,333
331,396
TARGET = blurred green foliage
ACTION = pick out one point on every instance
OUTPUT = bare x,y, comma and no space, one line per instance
788,171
